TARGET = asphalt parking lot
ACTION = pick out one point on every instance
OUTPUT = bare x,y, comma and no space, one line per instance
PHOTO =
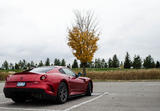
107,96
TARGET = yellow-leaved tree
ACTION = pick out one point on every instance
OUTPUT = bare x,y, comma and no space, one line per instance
83,37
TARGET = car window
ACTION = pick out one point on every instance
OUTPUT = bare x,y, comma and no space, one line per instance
68,72
61,71
41,70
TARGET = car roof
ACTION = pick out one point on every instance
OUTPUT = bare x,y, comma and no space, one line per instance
51,68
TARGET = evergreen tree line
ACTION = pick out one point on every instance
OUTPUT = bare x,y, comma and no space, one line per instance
23,64
113,62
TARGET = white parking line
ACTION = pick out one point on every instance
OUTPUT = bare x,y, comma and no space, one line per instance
77,105
5,108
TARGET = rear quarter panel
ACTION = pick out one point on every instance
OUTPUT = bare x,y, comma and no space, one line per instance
55,79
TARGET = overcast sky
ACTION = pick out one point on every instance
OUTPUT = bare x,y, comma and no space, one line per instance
37,29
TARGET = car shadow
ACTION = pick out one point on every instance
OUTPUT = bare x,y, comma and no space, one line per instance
43,103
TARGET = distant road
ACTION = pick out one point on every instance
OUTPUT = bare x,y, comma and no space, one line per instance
107,96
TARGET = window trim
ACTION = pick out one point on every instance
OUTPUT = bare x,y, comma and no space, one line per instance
61,71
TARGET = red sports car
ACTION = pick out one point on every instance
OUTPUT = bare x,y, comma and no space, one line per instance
49,82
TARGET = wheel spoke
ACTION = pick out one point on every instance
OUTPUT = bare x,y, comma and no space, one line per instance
63,93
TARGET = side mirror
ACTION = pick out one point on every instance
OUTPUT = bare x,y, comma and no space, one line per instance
79,74
76,76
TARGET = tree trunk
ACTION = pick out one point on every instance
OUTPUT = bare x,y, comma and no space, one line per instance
84,69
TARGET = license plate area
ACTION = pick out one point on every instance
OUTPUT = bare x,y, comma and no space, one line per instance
21,84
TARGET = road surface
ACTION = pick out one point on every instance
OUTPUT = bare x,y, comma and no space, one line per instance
107,96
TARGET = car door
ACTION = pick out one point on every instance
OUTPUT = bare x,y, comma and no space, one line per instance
76,84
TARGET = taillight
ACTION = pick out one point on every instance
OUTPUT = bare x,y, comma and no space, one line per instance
43,77
8,77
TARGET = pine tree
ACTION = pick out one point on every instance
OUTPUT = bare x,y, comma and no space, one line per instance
40,63
16,66
5,65
63,63
157,64
137,62
110,63
149,62
115,61
98,63
20,64
81,66
105,66
127,62
28,66
32,64
47,63
24,64
75,64
57,62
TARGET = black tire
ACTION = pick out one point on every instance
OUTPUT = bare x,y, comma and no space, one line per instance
62,93
89,89
18,100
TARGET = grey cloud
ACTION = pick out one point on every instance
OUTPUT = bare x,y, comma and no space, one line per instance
37,29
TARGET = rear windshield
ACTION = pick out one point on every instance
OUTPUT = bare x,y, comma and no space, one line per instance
41,70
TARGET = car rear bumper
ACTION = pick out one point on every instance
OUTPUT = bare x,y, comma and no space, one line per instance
28,93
